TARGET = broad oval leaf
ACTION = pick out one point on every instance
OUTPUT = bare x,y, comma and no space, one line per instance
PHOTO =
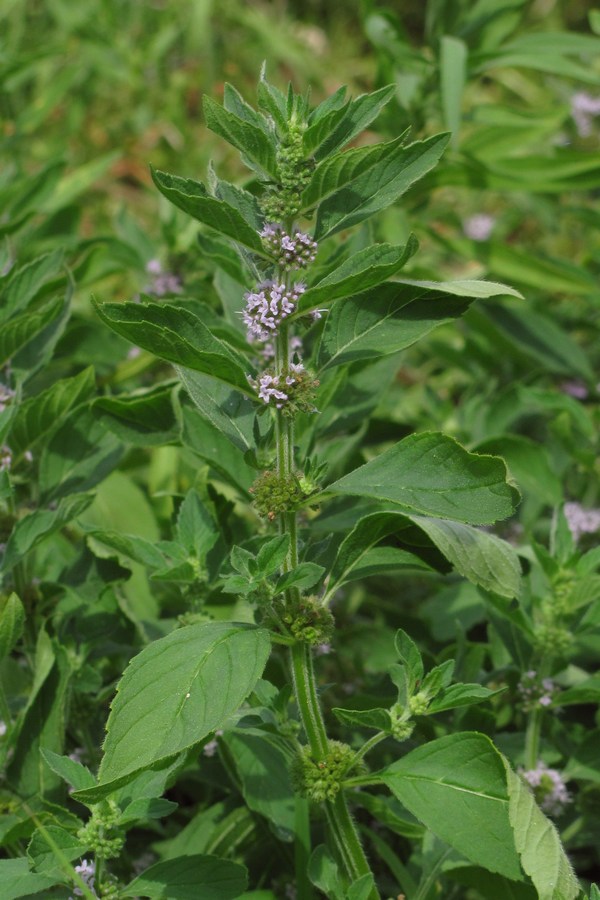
456,786
433,474
174,693
188,878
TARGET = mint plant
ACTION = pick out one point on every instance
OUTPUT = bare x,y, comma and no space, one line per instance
278,385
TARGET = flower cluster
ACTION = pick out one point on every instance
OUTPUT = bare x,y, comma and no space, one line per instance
291,393
274,493
549,788
294,172
87,871
581,521
6,458
583,109
479,227
535,691
162,282
267,307
321,780
291,251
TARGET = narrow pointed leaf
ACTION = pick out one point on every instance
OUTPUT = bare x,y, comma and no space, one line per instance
177,335
38,525
22,329
379,187
363,271
360,112
432,474
246,135
193,198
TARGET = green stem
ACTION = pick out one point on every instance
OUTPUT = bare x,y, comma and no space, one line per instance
532,738
305,691
366,747
304,888
347,841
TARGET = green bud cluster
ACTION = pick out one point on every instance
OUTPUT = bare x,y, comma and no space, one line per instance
284,199
301,394
552,639
111,889
101,833
308,620
322,780
401,725
419,703
563,586
275,494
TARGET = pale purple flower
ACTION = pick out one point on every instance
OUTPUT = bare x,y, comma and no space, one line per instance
162,282
323,649
583,110
580,520
292,251
479,227
3,728
87,870
535,691
211,747
548,787
267,307
576,389
133,352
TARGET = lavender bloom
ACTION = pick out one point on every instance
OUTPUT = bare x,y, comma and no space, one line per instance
162,282
292,251
479,227
270,386
267,307
580,520
535,692
583,109
87,870
211,747
575,389
548,787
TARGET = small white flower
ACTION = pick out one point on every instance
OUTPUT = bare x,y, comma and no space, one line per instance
580,520
583,110
3,728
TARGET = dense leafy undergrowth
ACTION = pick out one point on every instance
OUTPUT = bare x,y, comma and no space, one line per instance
300,579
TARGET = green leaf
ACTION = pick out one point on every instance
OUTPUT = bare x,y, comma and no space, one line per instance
456,786
131,547
51,847
12,620
306,575
538,844
73,773
271,555
262,763
410,657
227,411
174,693
175,334
22,329
193,198
378,187
529,464
481,557
247,136
189,877
433,474
38,416
226,257
26,283
196,528
364,270
378,718
460,695
145,418
453,77
211,445
37,526
359,113
17,880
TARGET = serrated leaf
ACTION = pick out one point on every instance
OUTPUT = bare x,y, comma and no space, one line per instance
175,334
433,474
173,694
196,528
130,546
363,271
193,198
145,418
73,773
228,411
225,257
21,329
18,880
45,846
37,526
26,282
378,719
303,576
39,415
538,844
271,555
378,187
456,695
189,877
359,113
410,657
245,135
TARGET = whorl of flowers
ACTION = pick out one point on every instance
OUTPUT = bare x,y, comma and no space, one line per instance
291,251
548,787
581,521
267,307
535,691
276,387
